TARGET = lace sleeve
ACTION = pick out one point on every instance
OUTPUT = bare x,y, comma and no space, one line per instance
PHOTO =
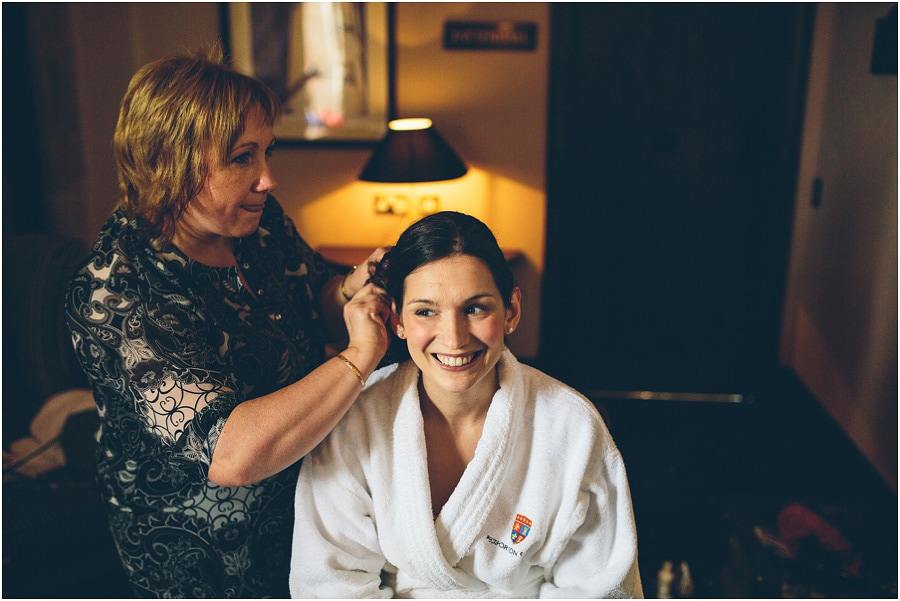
149,344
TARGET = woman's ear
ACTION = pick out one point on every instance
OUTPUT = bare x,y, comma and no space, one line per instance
514,311
396,324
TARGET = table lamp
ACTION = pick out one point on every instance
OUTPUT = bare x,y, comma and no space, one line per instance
412,151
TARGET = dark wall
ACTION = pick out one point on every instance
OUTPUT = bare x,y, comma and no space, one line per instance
24,206
674,138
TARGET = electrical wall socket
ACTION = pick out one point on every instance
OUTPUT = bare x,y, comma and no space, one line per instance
399,204
429,205
391,204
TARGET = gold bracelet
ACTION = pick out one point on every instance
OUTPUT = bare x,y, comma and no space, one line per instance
344,281
362,380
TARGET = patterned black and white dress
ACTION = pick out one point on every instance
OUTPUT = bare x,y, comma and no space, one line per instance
171,347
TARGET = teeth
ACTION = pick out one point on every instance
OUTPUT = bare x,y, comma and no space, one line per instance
454,361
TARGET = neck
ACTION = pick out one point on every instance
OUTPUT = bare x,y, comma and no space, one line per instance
215,251
458,410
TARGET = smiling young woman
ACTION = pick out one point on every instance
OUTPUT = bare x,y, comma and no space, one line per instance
461,472
454,319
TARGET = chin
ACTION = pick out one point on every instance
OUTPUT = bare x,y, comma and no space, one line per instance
461,383
248,229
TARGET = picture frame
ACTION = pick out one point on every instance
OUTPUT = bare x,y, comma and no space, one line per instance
330,63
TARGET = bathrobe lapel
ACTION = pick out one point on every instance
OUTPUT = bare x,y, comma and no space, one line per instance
412,493
462,518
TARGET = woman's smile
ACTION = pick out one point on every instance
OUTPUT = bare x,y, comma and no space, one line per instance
454,320
452,361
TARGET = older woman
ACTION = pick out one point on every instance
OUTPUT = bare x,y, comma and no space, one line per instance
463,473
201,319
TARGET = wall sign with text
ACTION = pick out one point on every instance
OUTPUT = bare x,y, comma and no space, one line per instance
490,35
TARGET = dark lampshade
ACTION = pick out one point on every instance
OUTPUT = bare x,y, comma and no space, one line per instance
412,151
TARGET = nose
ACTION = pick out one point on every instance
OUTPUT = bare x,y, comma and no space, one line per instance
455,331
266,182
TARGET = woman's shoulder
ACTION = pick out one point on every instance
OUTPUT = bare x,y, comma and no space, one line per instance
387,384
546,390
124,265
557,406
114,251
385,389
121,252
368,420
385,372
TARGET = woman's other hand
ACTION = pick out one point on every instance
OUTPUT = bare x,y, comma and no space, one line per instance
340,290
366,316
358,278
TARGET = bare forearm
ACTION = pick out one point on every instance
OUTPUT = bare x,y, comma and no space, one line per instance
266,435
332,305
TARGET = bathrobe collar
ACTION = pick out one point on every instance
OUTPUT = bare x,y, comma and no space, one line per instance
462,517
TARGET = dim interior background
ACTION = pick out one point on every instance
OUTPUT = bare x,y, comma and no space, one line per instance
634,184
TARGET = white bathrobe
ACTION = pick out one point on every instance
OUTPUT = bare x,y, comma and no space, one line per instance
542,510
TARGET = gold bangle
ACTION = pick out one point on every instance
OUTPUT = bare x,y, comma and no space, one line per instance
362,380
344,281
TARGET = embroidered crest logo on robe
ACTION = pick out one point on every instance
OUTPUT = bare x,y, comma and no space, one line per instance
520,529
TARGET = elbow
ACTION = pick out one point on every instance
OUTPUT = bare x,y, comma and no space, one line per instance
232,463
223,477
230,473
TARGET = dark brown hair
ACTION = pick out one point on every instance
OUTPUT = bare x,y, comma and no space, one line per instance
441,235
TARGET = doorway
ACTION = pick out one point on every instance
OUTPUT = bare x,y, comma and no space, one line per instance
674,136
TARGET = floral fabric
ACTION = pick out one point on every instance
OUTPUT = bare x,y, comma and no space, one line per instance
170,347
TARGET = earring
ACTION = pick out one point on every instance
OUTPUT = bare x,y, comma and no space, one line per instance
510,330
400,333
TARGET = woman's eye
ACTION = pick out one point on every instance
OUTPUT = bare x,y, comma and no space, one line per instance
476,309
241,158
269,152
424,312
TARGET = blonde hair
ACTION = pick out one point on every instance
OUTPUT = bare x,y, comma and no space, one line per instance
178,115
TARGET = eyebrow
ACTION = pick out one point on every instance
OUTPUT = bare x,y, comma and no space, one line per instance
473,298
253,145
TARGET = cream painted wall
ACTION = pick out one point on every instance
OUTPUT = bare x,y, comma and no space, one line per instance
490,106
840,329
